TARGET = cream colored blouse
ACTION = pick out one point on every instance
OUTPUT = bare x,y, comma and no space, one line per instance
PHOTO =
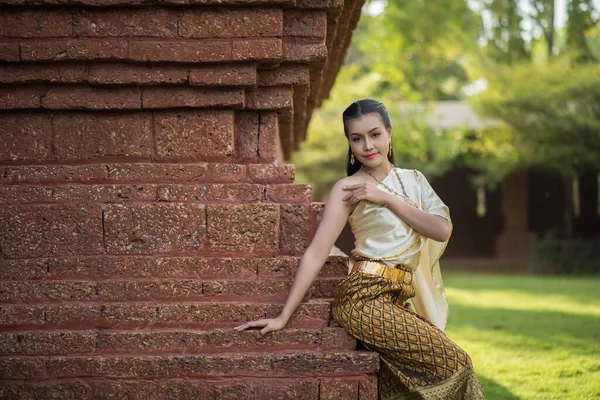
382,235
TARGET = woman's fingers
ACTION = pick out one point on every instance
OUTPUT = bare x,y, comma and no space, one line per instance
251,324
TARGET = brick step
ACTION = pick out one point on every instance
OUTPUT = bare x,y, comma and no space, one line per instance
112,291
170,341
348,387
280,268
271,363
151,314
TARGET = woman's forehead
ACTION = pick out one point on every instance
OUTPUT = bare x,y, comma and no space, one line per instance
365,123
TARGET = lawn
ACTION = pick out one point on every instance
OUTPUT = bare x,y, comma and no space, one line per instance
529,337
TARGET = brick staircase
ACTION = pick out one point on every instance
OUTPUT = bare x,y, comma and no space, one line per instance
145,207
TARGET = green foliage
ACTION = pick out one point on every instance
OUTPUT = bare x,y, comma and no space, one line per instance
553,255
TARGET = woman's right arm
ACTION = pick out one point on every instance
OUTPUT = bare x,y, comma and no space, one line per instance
335,215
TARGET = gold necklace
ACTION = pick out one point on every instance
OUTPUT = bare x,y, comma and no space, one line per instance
403,197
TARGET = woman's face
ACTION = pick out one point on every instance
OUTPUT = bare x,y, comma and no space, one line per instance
368,139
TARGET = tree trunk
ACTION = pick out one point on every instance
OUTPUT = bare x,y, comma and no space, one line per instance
568,206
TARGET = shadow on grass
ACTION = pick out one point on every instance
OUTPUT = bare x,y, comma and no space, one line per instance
494,391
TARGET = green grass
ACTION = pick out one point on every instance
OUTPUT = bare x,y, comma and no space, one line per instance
529,337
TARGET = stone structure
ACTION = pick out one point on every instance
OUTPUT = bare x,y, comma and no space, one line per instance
145,207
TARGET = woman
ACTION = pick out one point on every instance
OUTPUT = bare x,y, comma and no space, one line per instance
392,212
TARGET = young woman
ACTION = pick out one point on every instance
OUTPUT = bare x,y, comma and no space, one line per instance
401,228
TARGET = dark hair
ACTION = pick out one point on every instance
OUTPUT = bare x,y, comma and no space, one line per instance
357,110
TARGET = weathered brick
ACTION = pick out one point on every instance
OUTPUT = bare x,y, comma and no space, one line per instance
25,137
214,365
210,314
223,75
9,52
240,290
154,228
200,23
150,390
42,230
302,23
218,267
126,22
270,173
245,2
53,173
81,136
63,390
324,288
339,389
14,315
295,50
214,193
257,49
19,194
24,269
101,366
246,136
367,388
266,388
286,74
100,267
181,51
74,49
171,97
289,193
47,343
85,316
32,73
21,367
92,98
315,313
171,289
137,74
12,97
282,268
268,137
28,291
326,363
194,135
245,228
337,338
294,229
33,23
196,173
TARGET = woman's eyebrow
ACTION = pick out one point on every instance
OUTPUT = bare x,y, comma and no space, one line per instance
359,134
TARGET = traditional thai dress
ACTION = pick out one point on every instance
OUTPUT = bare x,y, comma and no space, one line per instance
398,269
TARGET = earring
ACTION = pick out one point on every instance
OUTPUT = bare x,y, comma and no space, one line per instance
352,159
390,152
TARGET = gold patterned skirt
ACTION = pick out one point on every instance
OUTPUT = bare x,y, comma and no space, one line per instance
418,361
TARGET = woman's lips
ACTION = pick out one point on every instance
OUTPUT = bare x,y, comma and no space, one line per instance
369,156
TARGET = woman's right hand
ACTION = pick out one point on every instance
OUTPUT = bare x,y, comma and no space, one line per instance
267,325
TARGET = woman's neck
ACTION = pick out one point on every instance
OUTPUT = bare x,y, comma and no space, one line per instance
381,171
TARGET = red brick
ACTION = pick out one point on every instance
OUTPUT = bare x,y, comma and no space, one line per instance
245,2
200,23
289,193
169,173
302,338
194,135
247,125
100,267
324,288
48,343
248,228
101,366
240,290
220,268
305,23
164,97
76,193
296,50
32,73
316,215
286,74
325,363
214,194
150,390
269,173
126,22
35,291
337,338
9,52
154,228
82,136
85,316
34,23
20,367
63,390
266,388
214,365
25,137
53,173
21,315
181,51
21,97
335,266
93,98
23,269
223,75
275,98
280,268
155,289
339,389
257,49
74,49
313,313
210,314
294,229
42,230
137,74
319,4
367,388
268,137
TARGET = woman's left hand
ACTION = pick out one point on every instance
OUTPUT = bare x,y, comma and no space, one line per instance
365,191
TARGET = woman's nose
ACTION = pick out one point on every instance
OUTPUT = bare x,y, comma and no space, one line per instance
368,144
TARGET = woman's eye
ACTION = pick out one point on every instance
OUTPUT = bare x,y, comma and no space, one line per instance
356,139
376,134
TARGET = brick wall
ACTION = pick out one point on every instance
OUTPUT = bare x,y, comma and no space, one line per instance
145,208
